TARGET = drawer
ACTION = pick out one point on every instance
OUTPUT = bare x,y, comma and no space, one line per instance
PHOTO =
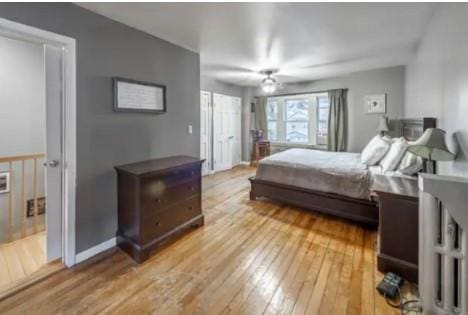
173,177
170,218
157,197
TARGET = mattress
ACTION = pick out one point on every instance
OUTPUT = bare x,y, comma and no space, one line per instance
332,172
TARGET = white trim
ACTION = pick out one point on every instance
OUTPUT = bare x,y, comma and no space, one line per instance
93,251
68,44
244,163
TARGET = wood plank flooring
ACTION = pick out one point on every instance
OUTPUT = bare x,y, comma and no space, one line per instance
251,257
21,258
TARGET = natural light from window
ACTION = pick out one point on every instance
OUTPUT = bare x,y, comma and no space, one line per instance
298,119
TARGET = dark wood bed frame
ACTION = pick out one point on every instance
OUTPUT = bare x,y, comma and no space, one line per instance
359,210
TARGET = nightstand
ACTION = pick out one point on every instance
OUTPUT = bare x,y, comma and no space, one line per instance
398,225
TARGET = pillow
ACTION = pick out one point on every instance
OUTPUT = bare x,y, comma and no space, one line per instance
374,151
410,164
393,157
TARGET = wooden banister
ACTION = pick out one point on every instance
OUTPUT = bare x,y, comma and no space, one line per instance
10,160
21,157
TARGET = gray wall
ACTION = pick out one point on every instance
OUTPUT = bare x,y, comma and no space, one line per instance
361,126
106,48
22,122
437,81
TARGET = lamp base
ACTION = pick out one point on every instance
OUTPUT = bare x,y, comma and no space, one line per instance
429,166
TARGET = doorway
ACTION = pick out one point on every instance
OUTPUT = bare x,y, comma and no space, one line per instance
220,131
206,111
37,158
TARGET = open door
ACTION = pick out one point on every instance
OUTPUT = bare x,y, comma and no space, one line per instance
205,131
53,161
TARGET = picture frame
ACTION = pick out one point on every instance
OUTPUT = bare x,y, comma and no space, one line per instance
133,96
41,207
375,104
4,182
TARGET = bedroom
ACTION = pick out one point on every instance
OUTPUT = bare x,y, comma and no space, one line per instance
229,246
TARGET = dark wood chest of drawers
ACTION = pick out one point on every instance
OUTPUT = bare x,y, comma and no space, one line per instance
157,200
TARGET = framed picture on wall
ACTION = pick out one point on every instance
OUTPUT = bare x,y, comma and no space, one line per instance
375,104
41,207
4,182
138,96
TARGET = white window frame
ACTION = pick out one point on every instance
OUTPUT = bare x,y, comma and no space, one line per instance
281,121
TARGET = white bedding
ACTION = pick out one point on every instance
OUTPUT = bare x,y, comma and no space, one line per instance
333,172
341,173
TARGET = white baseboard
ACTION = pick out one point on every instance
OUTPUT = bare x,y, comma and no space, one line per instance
93,251
244,163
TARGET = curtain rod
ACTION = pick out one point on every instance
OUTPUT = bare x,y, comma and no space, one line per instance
298,93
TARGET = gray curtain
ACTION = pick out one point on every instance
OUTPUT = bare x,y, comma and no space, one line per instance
337,125
261,115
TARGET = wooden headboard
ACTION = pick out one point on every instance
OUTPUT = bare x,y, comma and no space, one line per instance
410,128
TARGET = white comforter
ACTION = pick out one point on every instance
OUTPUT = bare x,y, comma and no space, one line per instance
333,172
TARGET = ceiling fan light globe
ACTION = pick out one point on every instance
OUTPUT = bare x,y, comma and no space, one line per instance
268,85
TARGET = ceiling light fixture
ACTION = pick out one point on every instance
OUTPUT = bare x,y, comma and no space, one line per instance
269,84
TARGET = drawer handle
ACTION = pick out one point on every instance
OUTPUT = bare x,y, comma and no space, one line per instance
190,207
158,200
158,223
192,188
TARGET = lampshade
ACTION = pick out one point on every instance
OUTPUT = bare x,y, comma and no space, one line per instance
432,146
383,126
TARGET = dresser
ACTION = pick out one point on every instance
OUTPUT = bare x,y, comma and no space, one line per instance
157,200
398,225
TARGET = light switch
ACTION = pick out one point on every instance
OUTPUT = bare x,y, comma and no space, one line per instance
190,129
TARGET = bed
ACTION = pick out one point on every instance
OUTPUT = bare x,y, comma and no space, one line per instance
335,183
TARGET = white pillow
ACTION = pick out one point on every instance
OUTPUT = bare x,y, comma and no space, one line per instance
393,157
374,151
410,164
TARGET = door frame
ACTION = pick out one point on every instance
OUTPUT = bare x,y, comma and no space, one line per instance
68,166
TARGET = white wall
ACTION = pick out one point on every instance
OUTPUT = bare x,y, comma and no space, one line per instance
22,118
22,107
361,126
437,80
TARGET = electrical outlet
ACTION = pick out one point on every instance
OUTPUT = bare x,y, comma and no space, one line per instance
190,129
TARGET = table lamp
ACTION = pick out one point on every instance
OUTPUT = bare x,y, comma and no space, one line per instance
431,146
383,126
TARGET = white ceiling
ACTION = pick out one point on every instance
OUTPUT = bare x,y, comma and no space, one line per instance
305,41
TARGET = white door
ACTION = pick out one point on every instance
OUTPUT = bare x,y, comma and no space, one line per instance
226,131
205,131
236,131
53,164
221,113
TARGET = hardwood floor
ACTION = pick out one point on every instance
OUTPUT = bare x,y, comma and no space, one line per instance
21,258
23,262
251,257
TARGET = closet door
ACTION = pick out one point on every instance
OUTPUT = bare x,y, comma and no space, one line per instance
235,136
221,113
205,131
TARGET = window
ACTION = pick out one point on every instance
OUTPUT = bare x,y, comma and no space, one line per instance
299,119
272,117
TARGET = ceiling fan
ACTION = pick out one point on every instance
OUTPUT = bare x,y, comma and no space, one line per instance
269,84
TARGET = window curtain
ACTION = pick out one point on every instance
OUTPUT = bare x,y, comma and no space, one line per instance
337,126
261,115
